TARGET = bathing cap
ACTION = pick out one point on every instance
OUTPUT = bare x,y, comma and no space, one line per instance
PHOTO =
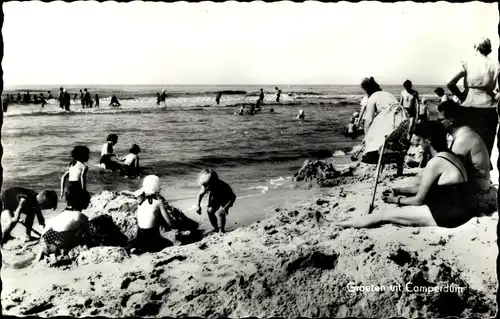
355,114
301,111
151,184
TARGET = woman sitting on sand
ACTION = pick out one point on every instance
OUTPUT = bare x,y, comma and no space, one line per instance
384,116
468,145
439,200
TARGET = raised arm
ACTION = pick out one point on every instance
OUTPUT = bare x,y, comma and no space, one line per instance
63,181
452,85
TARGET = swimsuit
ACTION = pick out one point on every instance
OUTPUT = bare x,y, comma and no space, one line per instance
54,240
448,203
149,240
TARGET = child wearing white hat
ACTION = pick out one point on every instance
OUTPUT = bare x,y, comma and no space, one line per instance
150,216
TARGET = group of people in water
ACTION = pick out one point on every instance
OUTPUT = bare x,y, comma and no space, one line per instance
455,184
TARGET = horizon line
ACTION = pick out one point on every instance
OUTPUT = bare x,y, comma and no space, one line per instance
139,84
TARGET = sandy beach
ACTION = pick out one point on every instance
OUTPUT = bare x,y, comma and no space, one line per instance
291,264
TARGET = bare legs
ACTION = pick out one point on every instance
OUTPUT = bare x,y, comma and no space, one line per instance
407,216
215,218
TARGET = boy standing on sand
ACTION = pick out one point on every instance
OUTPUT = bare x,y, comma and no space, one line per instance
221,197
17,200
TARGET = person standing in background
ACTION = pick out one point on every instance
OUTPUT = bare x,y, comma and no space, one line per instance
82,98
480,76
217,98
96,100
163,98
261,96
278,94
87,98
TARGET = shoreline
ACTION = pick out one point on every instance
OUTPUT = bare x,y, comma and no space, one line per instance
274,267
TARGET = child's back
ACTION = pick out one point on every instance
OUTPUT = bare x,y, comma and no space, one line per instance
147,213
76,170
130,159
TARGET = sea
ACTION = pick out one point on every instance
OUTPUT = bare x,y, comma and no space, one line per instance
256,155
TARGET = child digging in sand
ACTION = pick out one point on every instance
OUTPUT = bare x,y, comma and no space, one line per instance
17,200
150,216
221,198
76,174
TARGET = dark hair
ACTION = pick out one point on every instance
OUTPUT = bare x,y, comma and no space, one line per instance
407,84
135,149
439,91
370,86
450,109
80,153
112,138
433,131
78,200
50,197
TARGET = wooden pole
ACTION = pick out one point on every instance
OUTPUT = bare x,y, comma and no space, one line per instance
377,175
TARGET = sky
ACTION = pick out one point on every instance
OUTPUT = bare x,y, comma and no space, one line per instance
240,43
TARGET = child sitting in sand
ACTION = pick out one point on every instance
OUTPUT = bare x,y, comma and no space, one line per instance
221,198
151,214
67,230
17,200
130,166
351,129
107,154
76,174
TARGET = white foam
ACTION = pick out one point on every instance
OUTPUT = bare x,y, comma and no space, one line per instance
339,153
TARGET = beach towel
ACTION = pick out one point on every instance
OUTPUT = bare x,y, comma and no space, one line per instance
393,122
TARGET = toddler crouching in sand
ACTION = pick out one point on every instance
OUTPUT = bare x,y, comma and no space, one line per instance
221,198
150,213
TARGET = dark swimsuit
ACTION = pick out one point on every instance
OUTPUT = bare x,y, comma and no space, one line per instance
447,203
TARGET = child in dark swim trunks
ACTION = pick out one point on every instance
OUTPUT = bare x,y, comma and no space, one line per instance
107,153
131,166
77,173
221,198
151,214
18,200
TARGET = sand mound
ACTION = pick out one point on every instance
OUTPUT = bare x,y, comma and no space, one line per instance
113,221
321,172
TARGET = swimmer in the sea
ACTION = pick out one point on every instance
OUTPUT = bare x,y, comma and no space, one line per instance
241,110
114,101
261,96
158,98
217,98
97,100
130,166
107,153
301,115
221,197
49,97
